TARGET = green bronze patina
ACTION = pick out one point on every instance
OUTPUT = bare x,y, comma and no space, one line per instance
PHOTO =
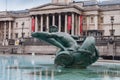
70,53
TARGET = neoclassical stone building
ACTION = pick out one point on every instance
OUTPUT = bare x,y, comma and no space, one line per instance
75,18
13,23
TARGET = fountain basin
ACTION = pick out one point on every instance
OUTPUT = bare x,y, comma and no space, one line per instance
41,67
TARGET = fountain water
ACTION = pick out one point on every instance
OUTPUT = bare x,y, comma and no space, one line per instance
44,69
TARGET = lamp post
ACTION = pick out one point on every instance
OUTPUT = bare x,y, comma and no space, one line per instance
22,30
22,34
112,30
111,40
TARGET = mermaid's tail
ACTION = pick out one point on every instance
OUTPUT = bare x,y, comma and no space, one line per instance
83,56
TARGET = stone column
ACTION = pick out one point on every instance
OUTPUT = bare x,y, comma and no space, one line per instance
76,25
59,23
0,31
96,22
66,23
72,23
9,33
30,29
47,23
53,20
5,25
88,22
79,25
36,24
41,23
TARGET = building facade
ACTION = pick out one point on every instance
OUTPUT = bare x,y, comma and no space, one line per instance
75,18
14,24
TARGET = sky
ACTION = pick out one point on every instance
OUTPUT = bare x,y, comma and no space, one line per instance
11,5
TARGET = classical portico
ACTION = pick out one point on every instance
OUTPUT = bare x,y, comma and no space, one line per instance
66,17
6,25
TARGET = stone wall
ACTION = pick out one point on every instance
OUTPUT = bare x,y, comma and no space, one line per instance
40,49
104,50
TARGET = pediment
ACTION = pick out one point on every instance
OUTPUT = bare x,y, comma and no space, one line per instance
49,6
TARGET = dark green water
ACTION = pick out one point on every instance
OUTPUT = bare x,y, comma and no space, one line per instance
42,68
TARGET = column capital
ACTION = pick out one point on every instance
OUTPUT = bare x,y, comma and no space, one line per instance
4,22
33,16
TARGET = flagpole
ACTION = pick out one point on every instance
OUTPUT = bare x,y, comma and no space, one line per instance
6,5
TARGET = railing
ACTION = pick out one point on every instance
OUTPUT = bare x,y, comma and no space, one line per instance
107,45
100,41
33,41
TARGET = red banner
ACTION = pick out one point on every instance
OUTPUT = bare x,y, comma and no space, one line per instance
81,24
33,24
69,23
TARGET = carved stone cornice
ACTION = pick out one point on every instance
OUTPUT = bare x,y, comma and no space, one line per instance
7,19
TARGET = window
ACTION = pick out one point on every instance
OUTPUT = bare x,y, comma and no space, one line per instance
16,35
92,20
102,20
16,24
84,20
6,35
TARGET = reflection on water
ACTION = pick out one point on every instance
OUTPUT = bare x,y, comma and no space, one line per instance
42,68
